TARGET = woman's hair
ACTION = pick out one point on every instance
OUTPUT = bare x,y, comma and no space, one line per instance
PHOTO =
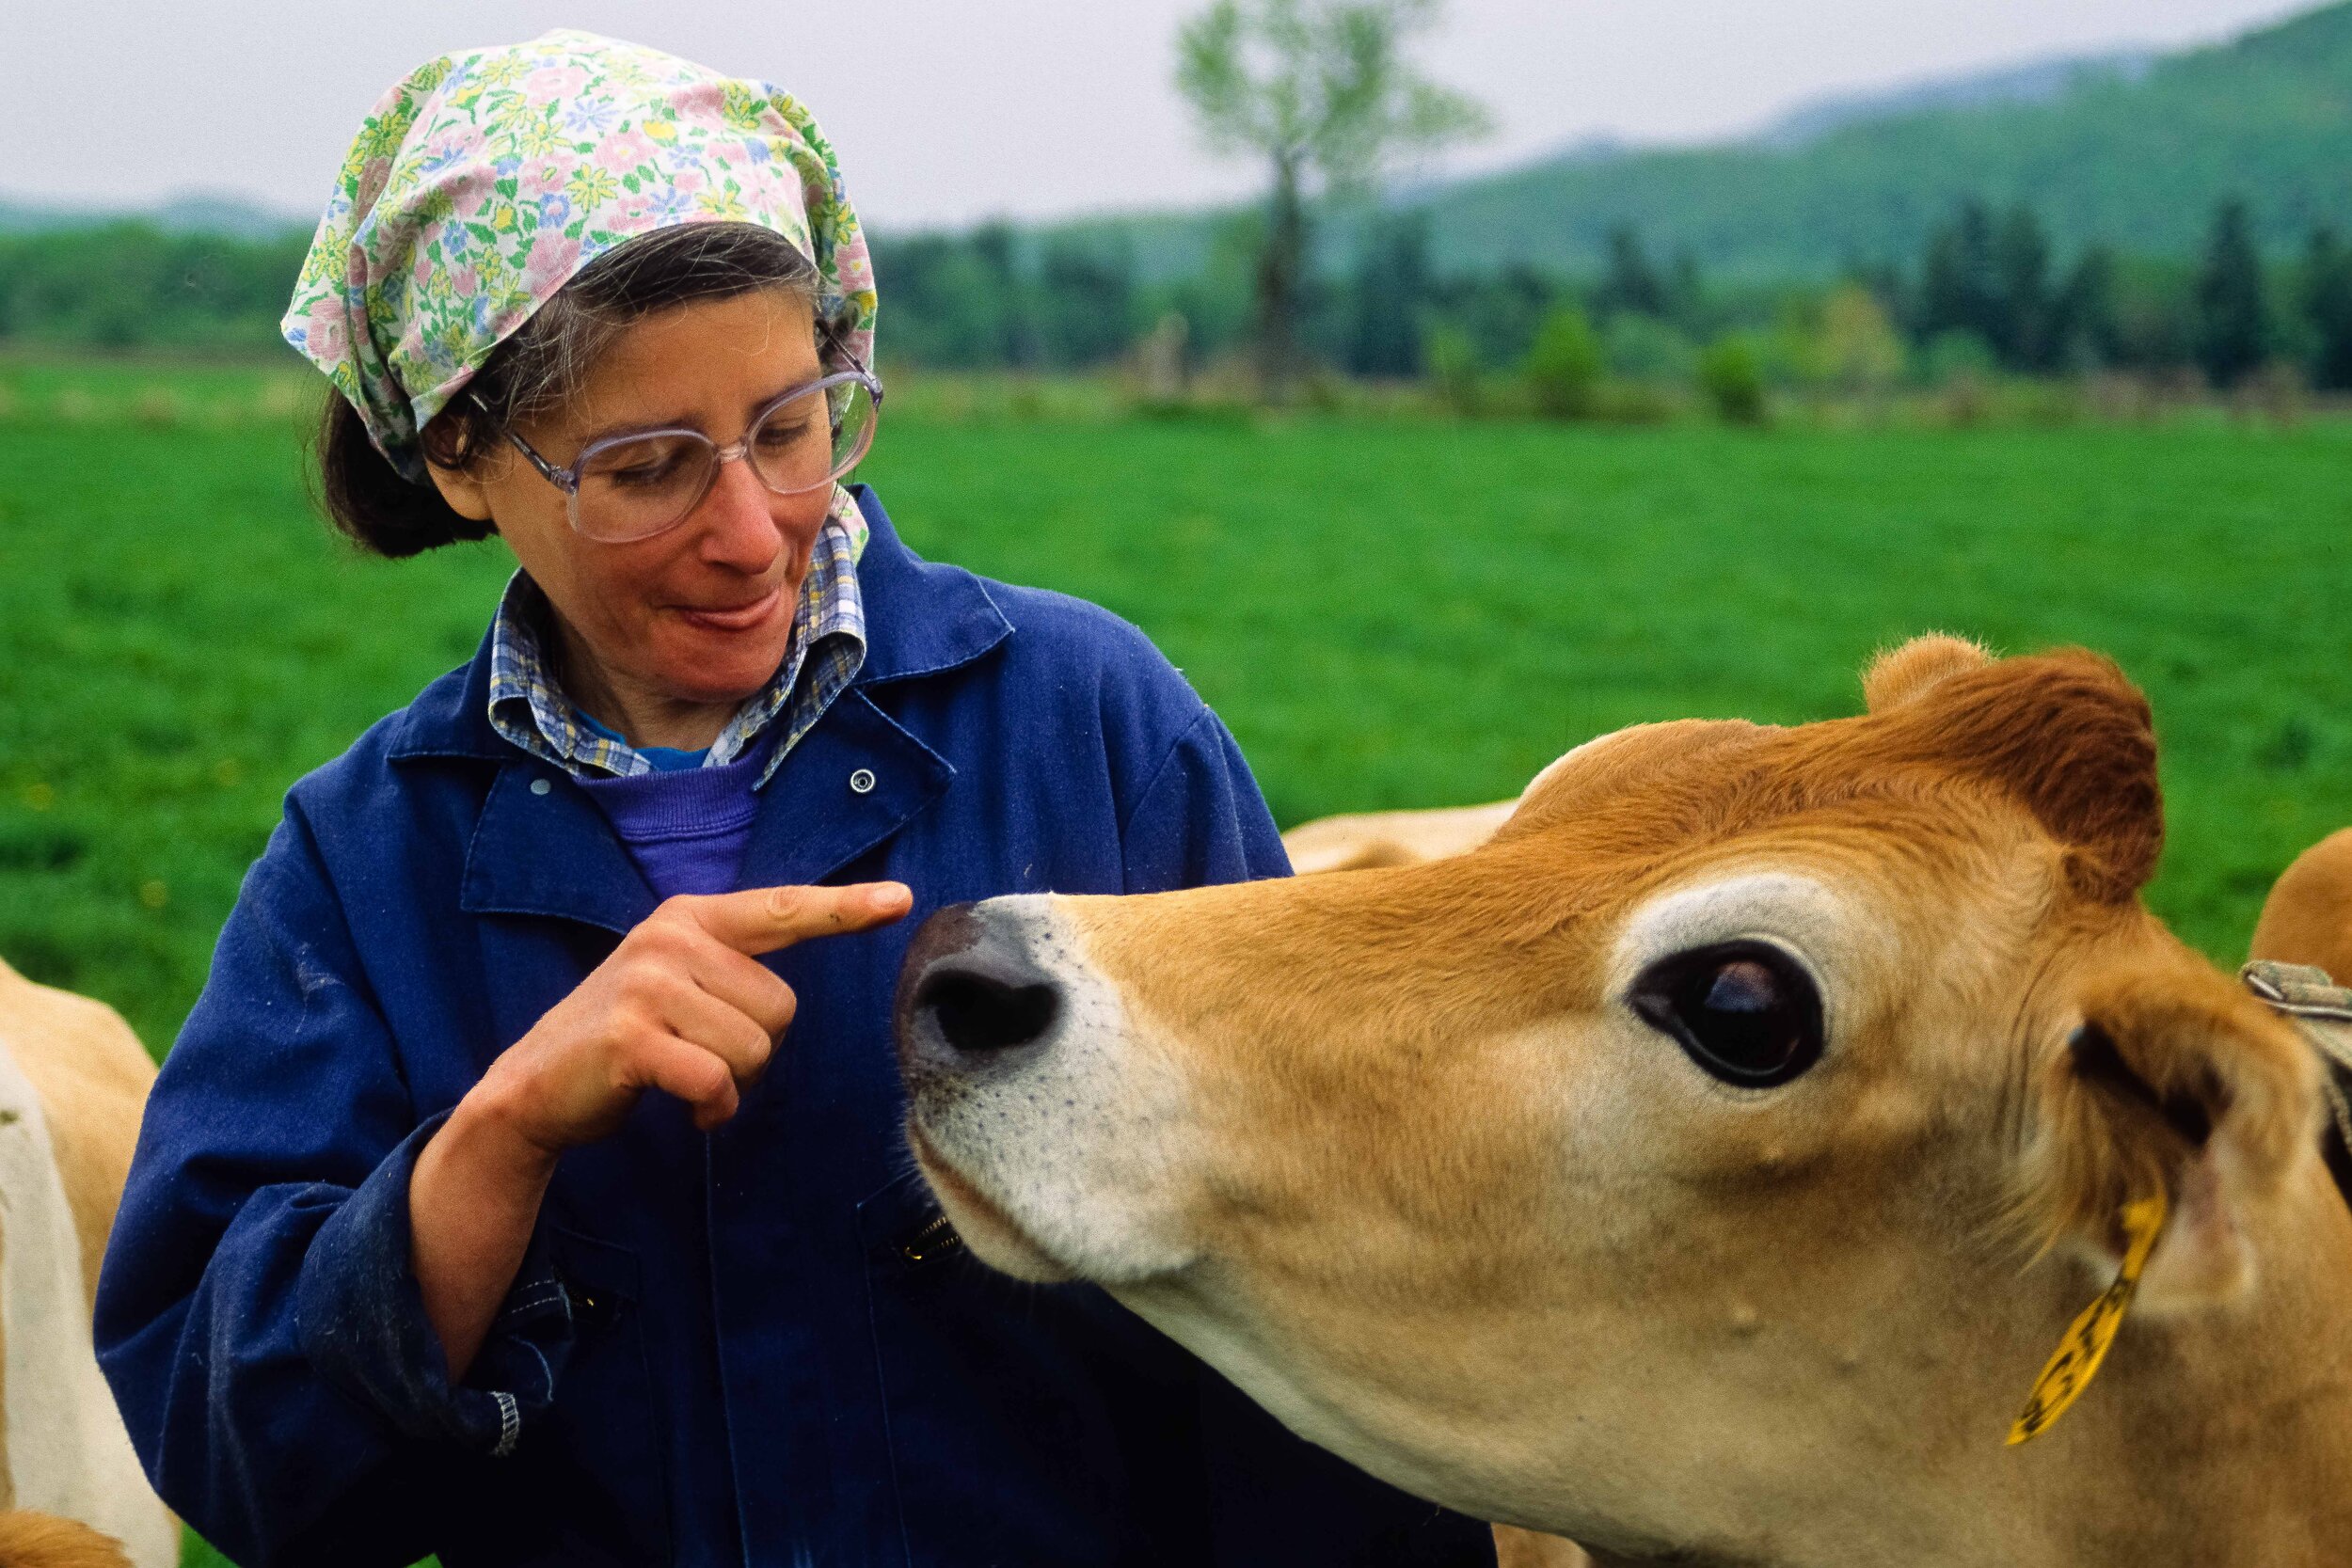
541,367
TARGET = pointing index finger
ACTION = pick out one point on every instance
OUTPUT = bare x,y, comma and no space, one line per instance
763,919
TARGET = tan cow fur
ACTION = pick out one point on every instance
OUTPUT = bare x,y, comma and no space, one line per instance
73,1084
2307,917
1389,1149
1371,839
29,1540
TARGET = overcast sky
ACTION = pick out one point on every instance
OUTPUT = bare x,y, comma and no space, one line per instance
949,110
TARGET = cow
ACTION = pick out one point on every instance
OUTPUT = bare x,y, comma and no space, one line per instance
1706,1167
73,1082
2308,916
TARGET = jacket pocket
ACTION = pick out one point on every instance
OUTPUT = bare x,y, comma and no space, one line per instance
599,1453
1026,1424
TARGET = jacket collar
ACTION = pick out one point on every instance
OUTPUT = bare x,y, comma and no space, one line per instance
922,618
541,847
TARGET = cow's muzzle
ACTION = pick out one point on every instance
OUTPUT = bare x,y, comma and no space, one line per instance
971,996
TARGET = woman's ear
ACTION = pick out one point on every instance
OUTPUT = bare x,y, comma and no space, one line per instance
460,485
465,493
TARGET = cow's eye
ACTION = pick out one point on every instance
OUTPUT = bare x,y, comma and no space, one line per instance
1745,1011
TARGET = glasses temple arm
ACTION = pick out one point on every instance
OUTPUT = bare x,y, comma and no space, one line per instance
562,479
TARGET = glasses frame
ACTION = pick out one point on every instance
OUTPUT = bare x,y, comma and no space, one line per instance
567,479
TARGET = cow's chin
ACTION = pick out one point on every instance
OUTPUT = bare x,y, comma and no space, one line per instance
986,1229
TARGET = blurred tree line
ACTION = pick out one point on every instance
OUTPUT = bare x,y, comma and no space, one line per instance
131,285
1988,293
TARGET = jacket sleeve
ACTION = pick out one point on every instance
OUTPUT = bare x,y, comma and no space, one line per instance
256,1316
1200,819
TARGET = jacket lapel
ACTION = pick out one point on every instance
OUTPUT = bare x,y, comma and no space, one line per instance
855,779
542,847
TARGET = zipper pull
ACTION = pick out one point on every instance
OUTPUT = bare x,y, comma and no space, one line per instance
937,1238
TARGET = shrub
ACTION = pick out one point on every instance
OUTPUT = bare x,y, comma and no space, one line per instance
1452,361
1564,366
1643,348
1731,373
1855,348
1956,355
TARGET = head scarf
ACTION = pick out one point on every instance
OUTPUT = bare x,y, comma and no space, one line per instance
483,183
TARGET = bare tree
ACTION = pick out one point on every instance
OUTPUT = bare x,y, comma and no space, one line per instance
1319,88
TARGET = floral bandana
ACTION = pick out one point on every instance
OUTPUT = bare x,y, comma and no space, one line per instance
483,184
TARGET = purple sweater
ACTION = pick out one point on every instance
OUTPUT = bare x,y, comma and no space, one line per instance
684,826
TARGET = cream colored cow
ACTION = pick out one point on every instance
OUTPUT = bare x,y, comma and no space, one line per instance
1704,1168
74,1081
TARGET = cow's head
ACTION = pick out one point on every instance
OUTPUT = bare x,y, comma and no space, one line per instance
1756,1095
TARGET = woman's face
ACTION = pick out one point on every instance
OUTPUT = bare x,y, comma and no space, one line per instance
700,614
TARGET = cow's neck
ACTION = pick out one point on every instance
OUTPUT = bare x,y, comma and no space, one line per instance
2212,1434
2227,1436
2217,1435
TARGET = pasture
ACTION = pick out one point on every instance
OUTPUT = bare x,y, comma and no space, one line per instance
1388,611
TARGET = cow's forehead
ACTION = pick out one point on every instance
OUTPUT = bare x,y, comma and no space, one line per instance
1642,764
1653,789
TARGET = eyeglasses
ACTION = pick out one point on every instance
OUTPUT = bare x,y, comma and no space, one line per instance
629,487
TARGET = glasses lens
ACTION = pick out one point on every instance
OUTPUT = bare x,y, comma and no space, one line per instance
642,485
814,439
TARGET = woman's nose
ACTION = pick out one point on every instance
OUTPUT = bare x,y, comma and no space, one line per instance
738,523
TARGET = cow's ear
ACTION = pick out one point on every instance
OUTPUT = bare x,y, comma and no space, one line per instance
1898,674
2068,737
2172,1081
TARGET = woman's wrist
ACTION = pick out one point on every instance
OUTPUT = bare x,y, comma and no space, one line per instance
473,1201
486,1127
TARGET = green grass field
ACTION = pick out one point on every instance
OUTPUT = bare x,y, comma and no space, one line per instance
1388,612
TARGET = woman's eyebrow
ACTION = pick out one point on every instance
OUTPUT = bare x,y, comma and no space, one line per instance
649,427
643,427
796,384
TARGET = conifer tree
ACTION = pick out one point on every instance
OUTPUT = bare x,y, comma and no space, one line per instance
2327,301
1088,312
1632,285
2084,329
1390,297
2232,318
2021,317
1686,292
1960,283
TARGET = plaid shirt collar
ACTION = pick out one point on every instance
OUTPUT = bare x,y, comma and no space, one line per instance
827,646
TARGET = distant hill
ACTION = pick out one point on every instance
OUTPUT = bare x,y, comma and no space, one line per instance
2035,82
2131,150
2128,147
196,212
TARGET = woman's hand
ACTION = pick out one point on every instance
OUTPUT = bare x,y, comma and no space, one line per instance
682,1006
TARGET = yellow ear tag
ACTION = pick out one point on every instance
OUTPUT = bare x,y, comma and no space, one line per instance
2070,1370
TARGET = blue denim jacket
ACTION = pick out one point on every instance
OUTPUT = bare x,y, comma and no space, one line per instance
750,1347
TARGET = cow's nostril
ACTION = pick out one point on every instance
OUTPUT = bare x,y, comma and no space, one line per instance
976,1014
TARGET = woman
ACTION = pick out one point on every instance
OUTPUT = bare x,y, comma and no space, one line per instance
487,1206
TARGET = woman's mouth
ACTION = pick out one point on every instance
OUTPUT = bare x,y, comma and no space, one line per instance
741,617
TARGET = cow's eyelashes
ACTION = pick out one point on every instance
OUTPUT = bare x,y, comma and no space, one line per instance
1745,1011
